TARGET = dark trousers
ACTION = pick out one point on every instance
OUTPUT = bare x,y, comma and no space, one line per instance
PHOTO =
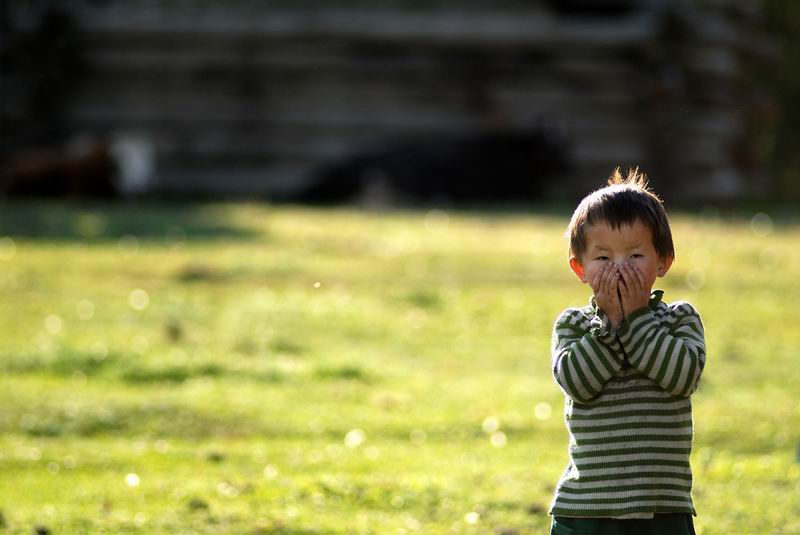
661,524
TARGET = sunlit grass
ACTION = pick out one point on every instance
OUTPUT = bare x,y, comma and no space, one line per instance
246,368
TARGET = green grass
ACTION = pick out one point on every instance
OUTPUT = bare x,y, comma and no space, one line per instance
245,368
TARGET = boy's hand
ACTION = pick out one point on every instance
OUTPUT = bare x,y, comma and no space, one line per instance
632,291
604,284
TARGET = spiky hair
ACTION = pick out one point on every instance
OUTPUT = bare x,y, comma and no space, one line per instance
625,200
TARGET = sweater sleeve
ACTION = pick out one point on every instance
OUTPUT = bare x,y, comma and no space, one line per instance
674,358
584,358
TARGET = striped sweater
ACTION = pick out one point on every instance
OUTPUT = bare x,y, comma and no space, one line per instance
628,409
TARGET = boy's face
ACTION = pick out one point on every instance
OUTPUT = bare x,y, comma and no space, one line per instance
629,243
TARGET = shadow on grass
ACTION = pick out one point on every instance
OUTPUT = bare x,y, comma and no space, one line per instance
511,209
193,220
132,370
124,367
781,213
94,221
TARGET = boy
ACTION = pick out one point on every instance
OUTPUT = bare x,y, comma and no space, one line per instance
628,364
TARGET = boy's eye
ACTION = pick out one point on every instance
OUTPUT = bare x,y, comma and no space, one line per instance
637,255
603,258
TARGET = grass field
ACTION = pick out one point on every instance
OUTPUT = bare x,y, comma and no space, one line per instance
246,368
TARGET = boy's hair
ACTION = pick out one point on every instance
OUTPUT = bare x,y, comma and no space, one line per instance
622,202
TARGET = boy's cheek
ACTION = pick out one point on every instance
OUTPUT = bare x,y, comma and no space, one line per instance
591,273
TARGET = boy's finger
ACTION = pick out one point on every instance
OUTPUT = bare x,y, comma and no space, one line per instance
636,277
603,279
613,282
613,277
629,282
595,280
626,276
635,281
598,282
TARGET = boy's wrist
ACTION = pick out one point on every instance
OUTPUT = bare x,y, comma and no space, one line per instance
614,319
603,327
635,312
624,329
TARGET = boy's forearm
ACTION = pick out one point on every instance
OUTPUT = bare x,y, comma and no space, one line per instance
584,362
614,319
674,359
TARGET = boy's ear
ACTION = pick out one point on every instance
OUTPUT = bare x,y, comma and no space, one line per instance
577,268
664,264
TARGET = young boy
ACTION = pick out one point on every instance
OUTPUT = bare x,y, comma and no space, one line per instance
628,364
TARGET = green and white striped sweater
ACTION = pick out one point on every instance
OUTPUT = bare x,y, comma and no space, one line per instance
627,409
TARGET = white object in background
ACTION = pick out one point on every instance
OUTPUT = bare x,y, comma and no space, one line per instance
136,163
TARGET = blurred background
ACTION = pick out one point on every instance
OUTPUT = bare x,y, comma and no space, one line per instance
221,352
397,101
